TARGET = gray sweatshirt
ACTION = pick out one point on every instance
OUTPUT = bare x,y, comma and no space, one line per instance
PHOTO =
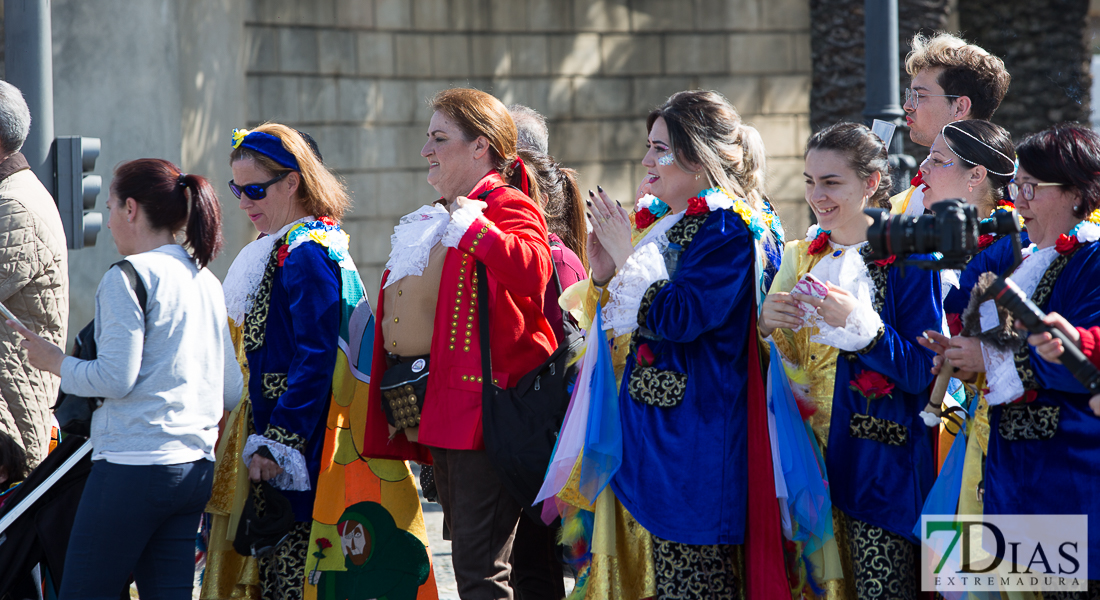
166,374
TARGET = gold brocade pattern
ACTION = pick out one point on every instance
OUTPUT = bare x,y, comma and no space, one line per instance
817,361
647,300
255,322
885,563
691,572
283,571
657,387
867,427
274,385
684,231
977,442
1033,422
624,571
228,574
1022,357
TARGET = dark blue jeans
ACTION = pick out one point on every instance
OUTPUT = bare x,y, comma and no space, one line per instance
140,520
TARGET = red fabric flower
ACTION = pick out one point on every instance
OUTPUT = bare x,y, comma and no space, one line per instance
954,323
323,543
885,262
284,251
819,245
331,223
917,179
985,240
871,385
1066,244
1006,203
643,218
697,206
645,357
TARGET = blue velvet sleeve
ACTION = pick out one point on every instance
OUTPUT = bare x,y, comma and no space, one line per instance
312,286
997,258
916,307
715,273
1081,308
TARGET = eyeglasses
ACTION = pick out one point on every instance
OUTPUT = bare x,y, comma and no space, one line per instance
255,191
1028,189
914,97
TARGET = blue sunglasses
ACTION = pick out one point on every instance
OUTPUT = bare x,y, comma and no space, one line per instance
255,191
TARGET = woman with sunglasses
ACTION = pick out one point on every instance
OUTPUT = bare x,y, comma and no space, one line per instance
165,370
294,295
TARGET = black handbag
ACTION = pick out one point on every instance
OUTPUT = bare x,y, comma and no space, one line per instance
73,412
521,424
403,386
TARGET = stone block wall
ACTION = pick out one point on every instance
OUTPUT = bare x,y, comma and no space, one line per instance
357,74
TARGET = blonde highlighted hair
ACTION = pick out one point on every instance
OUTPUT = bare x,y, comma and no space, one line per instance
968,70
320,192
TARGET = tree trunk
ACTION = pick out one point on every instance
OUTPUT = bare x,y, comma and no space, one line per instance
1044,49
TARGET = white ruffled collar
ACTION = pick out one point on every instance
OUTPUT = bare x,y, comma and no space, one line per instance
247,271
413,239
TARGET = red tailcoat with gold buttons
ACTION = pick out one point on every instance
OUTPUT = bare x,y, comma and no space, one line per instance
510,238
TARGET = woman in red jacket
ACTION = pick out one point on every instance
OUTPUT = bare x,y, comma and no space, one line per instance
427,322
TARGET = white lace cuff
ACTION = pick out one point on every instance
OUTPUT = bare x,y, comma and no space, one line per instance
859,329
1001,376
628,286
295,476
461,221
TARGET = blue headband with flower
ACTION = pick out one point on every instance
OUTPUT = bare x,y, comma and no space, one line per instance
266,144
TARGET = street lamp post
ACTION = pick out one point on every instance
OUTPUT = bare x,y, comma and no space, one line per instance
880,19
28,65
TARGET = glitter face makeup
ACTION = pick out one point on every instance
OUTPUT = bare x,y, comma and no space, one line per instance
666,159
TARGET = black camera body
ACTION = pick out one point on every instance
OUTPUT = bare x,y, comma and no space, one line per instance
953,231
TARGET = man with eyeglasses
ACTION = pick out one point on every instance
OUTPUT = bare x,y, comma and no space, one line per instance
951,81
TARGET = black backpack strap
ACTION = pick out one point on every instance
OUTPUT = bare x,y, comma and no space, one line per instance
483,195
483,328
135,282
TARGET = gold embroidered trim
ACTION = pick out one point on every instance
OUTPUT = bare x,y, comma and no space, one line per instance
878,430
685,230
273,385
1029,422
657,387
285,437
647,300
1022,356
255,322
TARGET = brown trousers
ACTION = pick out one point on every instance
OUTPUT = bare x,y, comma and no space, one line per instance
482,517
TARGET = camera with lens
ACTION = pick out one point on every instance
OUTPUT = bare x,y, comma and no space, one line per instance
953,231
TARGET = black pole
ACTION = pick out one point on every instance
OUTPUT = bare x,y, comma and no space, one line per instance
880,20
28,65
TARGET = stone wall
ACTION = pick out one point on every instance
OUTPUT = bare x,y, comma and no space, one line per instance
357,75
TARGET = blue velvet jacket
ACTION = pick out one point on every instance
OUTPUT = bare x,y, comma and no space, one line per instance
881,468
300,340
684,470
1059,474
998,257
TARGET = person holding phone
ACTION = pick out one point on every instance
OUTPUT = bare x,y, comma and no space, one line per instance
863,409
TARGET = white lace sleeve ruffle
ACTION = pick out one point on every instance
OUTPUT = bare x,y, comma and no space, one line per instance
295,476
1001,376
859,329
461,221
412,241
628,286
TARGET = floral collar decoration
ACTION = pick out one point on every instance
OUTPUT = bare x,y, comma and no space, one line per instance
650,208
986,240
1082,233
818,238
324,231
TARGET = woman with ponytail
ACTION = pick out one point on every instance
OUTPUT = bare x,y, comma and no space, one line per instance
166,372
487,222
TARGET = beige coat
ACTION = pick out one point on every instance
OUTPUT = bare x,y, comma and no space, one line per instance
34,285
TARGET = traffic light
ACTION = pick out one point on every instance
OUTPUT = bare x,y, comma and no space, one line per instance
77,189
